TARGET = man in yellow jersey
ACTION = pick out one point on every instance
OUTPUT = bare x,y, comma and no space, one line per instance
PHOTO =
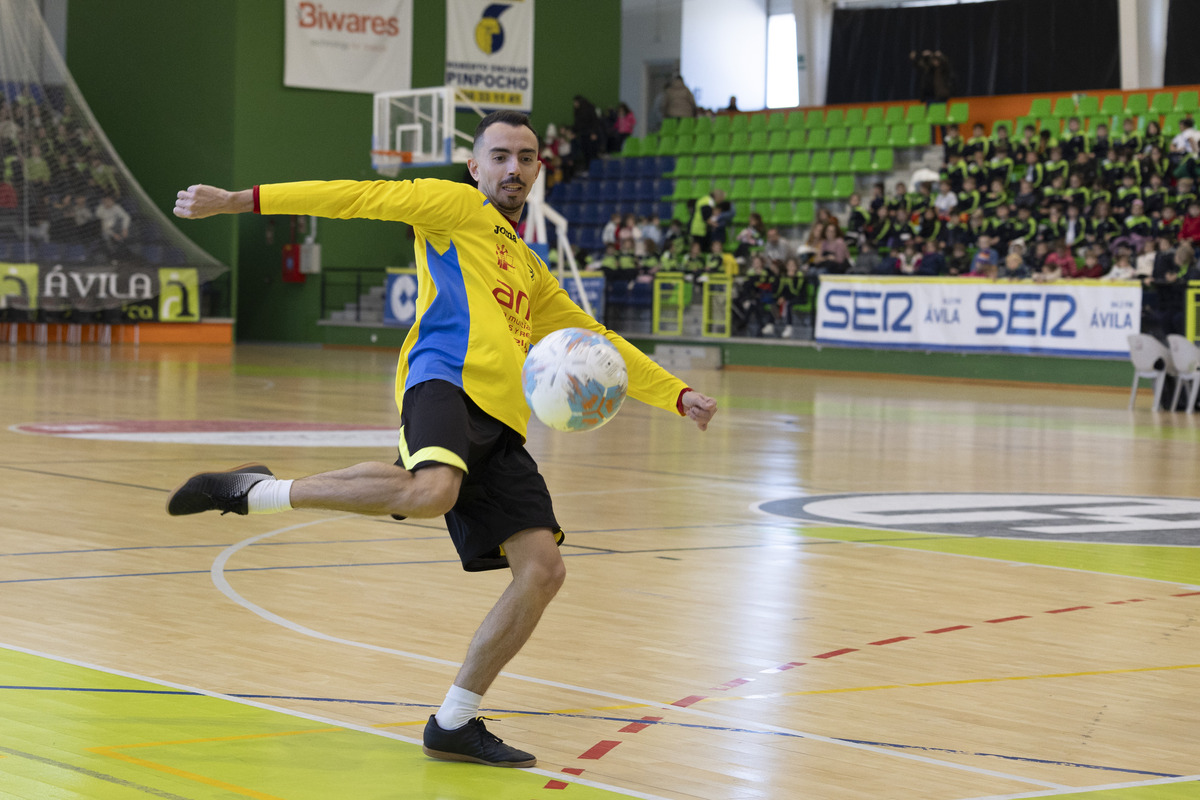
483,298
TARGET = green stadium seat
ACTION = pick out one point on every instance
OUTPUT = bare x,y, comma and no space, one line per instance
898,135
861,161
802,188
1162,103
673,146
884,160
758,141
818,139
823,188
779,215
1089,106
679,211
760,164
1090,123
779,187
959,113
835,118
777,121
740,165
1005,123
1136,105
1112,105
814,118
1170,125
761,190
741,215
632,146
670,127
878,137
797,137
836,139
843,186
701,168
795,119
819,165
687,125
839,164
740,189
702,143
739,142
804,213
920,136
1020,123
915,115
740,124
703,126
723,184
723,164
856,138
1187,101
1064,107
758,122
854,117
685,167
873,116
777,141
722,143
685,190
894,115
721,124
800,161
1040,107
780,164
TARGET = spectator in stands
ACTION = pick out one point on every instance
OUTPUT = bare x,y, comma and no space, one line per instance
878,197
1153,164
1072,142
1074,228
1015,266
969,199
958,262
36,170
1055,165
856,218
1122,269
1153,136
751,237
629,236
899,199
978,143
907,258
789,292
935,76
986,262
1169,223
652,234
931,262
946,201
608,234
868,261
928,227
86,229
832,256
705,208
1033,172
1184,195
1189,231
589,131
952,143
721,219
1187,141
777,250
678,100
1060,262
624,125
1101,145
750,313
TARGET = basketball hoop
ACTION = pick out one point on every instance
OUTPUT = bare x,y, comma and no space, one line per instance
390,162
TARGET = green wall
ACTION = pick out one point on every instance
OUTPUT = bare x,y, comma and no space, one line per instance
193,93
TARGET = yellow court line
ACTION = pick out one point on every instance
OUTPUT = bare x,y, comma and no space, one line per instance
203,779
238,737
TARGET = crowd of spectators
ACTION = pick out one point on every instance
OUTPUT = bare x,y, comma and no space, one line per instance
57,183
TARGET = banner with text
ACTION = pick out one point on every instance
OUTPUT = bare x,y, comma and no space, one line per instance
135,293
1092,318
489,52
348,45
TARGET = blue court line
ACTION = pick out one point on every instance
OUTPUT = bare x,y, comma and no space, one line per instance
626,720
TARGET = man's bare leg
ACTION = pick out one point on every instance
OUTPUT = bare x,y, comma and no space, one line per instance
377,489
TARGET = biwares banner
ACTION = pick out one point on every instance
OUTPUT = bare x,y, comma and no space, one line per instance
966,314
489,52
348,45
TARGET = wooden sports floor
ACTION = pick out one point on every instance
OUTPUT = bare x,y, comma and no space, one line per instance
978,606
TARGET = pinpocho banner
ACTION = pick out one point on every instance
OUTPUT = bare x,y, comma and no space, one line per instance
348,45
489,52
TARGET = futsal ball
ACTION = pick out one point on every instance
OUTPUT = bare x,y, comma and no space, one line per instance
574,380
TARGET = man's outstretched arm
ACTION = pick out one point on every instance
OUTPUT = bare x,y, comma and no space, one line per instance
200,201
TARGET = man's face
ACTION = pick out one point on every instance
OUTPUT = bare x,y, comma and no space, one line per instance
505,165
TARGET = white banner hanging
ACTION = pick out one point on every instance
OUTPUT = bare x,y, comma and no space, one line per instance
348,45
489,52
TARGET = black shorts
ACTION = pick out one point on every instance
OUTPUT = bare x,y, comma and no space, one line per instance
502,492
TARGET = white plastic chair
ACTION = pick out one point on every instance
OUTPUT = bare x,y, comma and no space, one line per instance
1151,360
1186,358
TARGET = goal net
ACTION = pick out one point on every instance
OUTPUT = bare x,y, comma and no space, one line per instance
79,238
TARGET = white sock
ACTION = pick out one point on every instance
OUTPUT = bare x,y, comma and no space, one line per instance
459,708
270,496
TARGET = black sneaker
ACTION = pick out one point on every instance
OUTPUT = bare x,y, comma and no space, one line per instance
217,491
472,742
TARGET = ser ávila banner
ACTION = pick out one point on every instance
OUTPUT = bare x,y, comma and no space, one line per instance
489,52
140,294
348,45
1084,318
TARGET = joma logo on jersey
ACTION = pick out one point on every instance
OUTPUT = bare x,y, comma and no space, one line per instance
512,299
506,233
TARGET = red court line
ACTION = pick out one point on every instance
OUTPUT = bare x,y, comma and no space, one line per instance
599,750
1008,619
1065,610
573,770
951,628
1186,594
556,785
836,653
733,684
634,727
893,640
689,700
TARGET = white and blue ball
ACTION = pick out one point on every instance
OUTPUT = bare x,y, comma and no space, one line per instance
574,380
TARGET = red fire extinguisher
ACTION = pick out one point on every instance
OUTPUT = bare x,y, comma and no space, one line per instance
291,259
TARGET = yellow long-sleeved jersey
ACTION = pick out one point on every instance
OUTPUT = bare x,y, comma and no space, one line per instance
483,297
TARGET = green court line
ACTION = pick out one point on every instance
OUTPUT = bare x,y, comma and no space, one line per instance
129,746
1175,564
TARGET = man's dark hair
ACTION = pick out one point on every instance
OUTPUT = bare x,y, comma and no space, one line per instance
508,117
